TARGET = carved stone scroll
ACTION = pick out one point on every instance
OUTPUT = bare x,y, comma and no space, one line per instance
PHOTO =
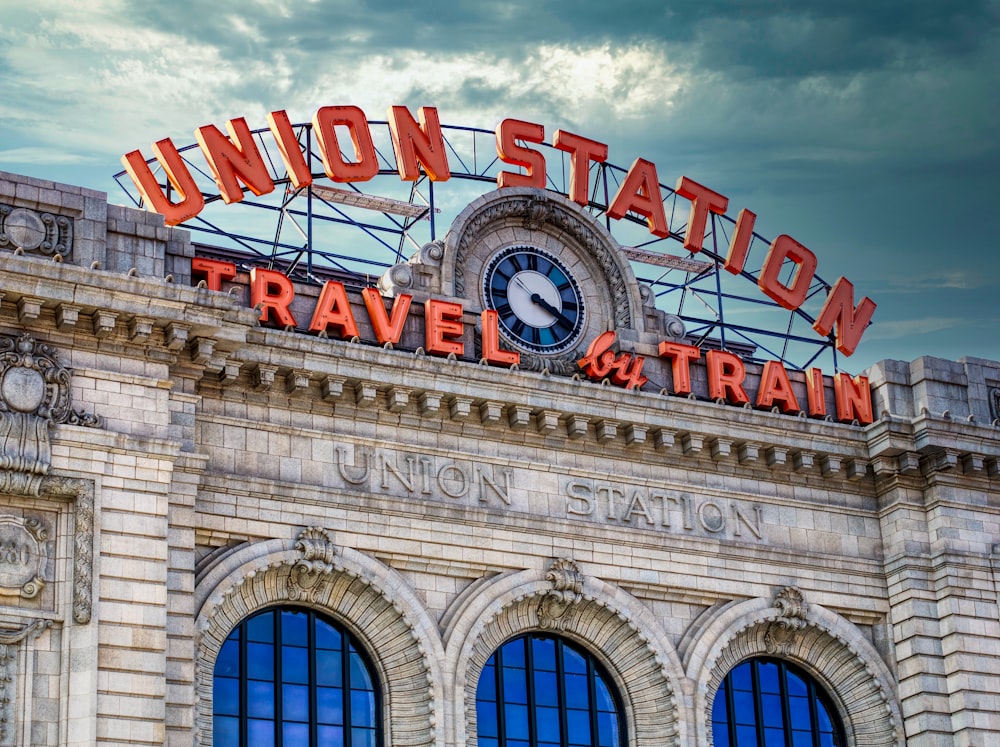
791,619
567,589
310,575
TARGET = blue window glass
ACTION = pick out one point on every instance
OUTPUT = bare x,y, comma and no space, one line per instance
291,678
772,703
543,691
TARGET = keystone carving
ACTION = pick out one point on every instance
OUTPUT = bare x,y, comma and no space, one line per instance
781,632
34,395
35,231
311,574
567,589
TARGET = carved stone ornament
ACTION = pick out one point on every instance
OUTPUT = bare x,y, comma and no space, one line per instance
23,555
81,492
10,641
791,619
34,394
567,589
35,231
310,575
994,396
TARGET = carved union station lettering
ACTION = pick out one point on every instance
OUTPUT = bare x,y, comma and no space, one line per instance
423,476
659,508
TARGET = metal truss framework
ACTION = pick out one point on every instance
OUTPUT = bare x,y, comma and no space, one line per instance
308,232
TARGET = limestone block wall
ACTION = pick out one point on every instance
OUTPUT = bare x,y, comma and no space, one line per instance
209,467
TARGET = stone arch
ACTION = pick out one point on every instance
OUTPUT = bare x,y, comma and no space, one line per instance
373,601
823,643
613,625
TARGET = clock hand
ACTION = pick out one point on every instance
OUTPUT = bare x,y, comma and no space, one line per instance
521,283
537,299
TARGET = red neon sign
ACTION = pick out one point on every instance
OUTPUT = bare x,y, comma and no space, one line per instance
419,145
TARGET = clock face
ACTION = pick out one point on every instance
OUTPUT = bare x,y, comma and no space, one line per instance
537,299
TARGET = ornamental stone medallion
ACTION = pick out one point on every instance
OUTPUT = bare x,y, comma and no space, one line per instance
34,395
35,231
22,556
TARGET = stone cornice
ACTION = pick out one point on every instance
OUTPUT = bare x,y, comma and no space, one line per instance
359,375
100,307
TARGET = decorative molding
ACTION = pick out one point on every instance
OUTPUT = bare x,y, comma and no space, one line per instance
35,231
369,598
34,394
826,645
310,575
567,586
10,646
618,629
82,494
780,634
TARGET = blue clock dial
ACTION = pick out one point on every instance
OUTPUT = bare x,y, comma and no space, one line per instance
537,299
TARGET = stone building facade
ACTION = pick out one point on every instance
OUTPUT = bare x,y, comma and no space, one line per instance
172,466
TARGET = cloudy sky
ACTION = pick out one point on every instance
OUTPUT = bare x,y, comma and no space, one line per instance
866,129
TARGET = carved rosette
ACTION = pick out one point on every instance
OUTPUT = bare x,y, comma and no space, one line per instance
34,395
311,573
35,231
567,590
792,614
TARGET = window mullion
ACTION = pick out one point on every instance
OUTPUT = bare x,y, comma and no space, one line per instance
730,708
561,691
345,680
501,698
244,710
311,643
813,716
592,701
279,736
758,703
529,671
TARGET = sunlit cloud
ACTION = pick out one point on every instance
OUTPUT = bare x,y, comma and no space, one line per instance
37,156
902,328
956,280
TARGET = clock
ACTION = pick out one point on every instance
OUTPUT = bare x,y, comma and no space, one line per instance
536,297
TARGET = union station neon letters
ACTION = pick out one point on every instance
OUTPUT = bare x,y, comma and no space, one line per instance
419,142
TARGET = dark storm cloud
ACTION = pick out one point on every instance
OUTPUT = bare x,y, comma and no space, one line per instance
757,38
864,129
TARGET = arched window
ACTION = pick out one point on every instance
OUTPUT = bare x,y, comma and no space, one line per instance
292,678
772,703
542,691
